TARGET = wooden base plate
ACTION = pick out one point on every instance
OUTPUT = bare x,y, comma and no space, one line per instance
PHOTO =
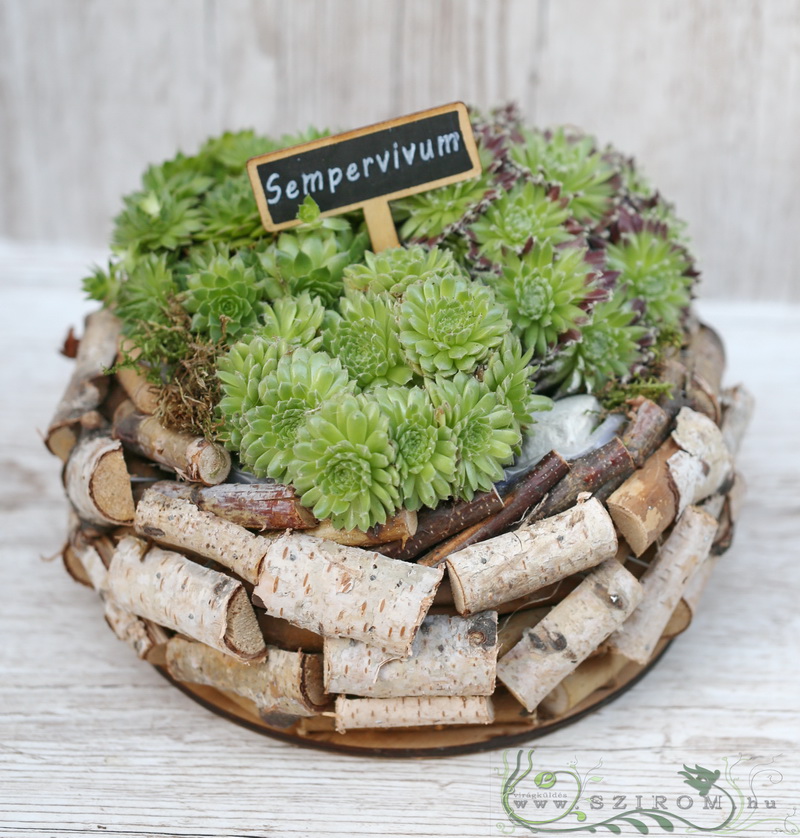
512,724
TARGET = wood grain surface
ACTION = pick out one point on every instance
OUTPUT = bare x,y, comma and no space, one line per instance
705,94
93,741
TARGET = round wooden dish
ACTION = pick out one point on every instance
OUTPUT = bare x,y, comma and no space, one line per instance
512,725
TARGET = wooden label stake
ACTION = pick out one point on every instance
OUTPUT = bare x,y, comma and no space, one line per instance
367,168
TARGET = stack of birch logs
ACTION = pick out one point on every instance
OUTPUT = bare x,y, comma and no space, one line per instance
449,628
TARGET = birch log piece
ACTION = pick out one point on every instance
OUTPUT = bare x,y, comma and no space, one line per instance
289,683
257,506
175,592
648,428
340,591
567,636
698,436
705,361
511,627
352,713
589,676
177,522
89,382
435,525
526,495
647,502
139,390
193,458
738,405
143,636
523,561
664,582
586,474
398,527
97,482
449,656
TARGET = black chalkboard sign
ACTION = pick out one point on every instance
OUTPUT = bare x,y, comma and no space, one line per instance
367,167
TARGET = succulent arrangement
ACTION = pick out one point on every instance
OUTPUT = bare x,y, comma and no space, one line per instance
374,381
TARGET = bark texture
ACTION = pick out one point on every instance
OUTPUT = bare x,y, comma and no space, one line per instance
341,591
567,636
257,506
177,522
173,591
530,491
449,656
594,673
192,458
352,713
523,561
286,682
89,382
663,584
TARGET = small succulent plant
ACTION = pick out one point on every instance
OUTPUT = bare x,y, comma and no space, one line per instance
611,346
313,257
229,152
588,179
343,464
240,371
426,452
529,210
301,382
450,324
430,216
653,268
547,292
296,320
223,299
364,336
508,374
395,269
230,214
484,431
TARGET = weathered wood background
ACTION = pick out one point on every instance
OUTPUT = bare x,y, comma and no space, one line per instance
706,94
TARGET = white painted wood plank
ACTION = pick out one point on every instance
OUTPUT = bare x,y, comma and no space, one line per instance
93,740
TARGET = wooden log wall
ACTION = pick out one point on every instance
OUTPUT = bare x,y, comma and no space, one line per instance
704,93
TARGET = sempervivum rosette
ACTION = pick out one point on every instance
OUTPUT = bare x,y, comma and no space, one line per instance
301,381
426,452
484,431
450,324
344,463
395,269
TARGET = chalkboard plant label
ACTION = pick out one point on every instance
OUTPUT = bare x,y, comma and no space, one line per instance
366,169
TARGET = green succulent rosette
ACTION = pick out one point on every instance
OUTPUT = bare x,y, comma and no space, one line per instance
547,292
655,269
301,382
229,152
426,452
343,464
230,214
450,324
240,372
393,270
296,320
587,178
364,336
223,299
484,431
612,346
508,374
529,211
312,258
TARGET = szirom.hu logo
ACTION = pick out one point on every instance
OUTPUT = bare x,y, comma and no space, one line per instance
742,796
